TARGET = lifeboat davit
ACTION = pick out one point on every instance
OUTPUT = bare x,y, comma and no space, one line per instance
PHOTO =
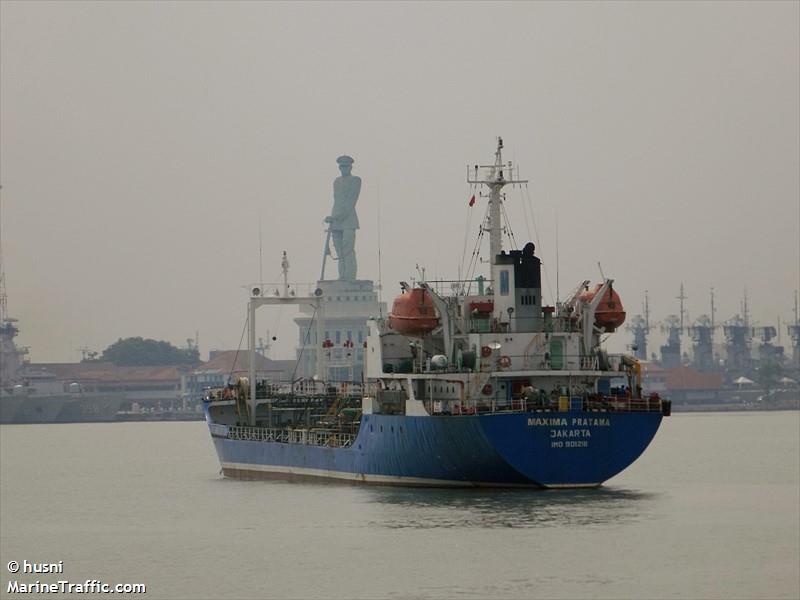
609,314
413,313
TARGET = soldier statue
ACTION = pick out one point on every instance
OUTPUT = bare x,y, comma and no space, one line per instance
343,222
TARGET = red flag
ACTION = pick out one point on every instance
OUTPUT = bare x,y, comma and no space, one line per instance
472,200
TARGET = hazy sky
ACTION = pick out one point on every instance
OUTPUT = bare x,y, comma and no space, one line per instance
142,142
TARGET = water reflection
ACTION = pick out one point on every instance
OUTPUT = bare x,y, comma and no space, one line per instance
444,508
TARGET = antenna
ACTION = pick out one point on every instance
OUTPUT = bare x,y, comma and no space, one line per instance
380,278
646,311
558,295
260,260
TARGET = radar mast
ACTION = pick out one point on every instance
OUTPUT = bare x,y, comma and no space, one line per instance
494,177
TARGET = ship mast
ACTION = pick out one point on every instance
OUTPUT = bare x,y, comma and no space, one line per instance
6,322
494,177
713,310
3,297
682,297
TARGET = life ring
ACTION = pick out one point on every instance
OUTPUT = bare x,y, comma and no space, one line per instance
505,362
486,352
487,389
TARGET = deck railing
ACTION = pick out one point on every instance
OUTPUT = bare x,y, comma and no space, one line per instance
279,391
314,437
500,361
563,404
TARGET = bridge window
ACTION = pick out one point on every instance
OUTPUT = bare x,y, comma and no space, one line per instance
504,283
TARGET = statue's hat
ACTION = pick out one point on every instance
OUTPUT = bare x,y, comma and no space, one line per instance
345,160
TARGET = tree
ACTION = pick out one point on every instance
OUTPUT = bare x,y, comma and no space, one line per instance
138,352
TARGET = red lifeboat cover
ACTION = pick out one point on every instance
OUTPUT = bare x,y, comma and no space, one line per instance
413,313
609,314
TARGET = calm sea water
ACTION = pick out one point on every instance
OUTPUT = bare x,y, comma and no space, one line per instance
712,510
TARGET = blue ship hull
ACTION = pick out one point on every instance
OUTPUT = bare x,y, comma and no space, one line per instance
535,449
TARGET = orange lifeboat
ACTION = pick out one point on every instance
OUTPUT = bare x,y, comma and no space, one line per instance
609,314
413,313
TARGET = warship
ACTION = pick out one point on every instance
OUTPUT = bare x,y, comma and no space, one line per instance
30,395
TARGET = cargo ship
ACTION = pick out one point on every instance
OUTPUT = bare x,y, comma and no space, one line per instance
479,385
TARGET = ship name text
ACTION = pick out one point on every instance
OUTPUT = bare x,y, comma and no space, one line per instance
564,422
572,432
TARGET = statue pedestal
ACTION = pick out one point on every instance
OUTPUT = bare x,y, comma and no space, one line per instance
347,306
349,297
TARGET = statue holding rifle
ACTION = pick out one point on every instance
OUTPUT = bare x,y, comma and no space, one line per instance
343,221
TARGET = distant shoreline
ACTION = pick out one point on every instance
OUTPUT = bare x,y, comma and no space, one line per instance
787,404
